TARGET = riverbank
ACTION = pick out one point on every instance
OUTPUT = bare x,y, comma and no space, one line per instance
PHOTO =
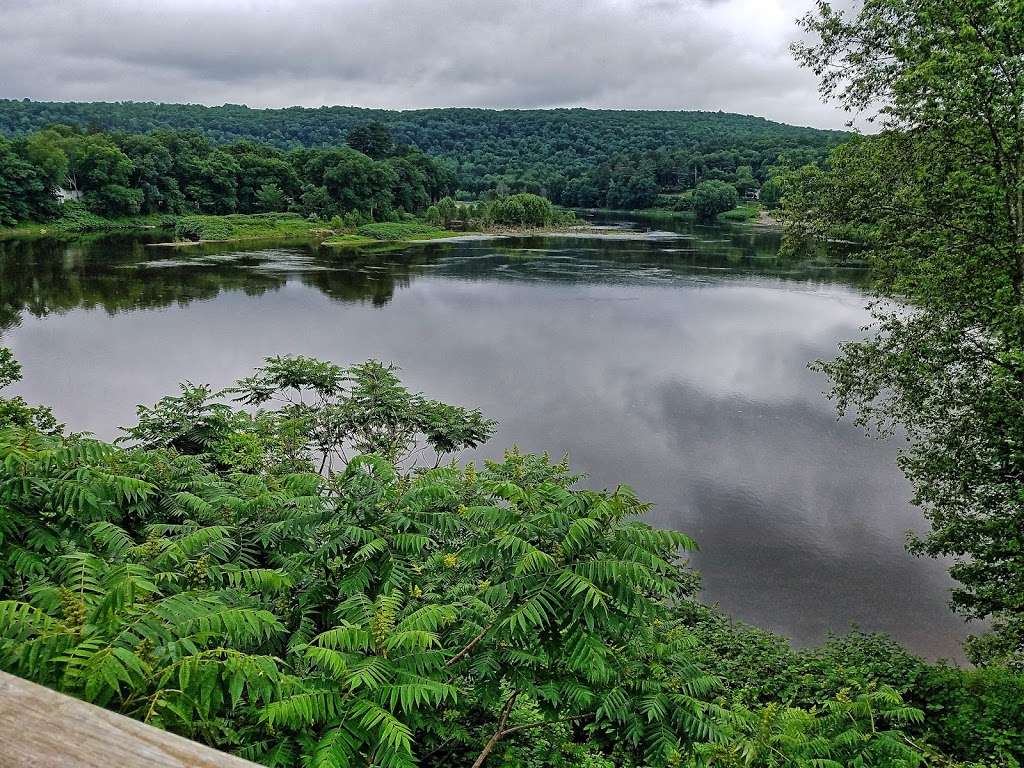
190,230
235,228
745,213
88,224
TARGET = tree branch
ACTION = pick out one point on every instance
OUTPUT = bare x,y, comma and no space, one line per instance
518,728
499,732
462,654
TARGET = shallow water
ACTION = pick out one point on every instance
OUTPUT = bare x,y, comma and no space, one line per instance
677,365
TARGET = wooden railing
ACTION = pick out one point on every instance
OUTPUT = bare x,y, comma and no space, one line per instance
40,728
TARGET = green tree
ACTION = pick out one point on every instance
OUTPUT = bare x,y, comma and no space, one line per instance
745,181
259,166
447,210
25,192
938,197
42,149
153,173
214,186
209,580
523,210
372,139
269,197
115,200
353,181
633,191
771,192
711,198
316,201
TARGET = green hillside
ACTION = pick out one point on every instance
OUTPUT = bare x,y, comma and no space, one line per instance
575,156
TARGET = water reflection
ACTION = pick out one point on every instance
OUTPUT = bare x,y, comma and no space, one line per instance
675,364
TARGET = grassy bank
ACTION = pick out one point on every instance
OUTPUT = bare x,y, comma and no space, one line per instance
188,229
247,226
391,232
742,213
77,221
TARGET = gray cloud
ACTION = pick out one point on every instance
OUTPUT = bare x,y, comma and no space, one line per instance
644,54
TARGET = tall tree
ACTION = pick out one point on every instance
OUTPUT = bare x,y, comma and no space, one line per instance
938,196
24,191
372,139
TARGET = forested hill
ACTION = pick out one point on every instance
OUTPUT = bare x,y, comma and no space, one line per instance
576,156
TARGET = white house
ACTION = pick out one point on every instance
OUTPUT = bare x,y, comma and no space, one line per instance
63,195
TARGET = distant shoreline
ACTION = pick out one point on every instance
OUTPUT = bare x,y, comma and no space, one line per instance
254,227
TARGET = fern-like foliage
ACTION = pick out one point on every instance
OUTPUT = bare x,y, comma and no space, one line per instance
211,581
850,730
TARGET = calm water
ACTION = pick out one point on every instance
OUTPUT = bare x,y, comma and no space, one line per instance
674,364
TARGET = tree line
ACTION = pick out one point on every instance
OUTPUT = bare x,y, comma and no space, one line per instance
116,174
575,157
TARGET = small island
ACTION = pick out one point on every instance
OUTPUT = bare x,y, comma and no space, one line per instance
518,214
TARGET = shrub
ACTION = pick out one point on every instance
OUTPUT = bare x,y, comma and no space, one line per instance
711,198
210,580
76,218
202,228
523,210
281,583
970,715
395,230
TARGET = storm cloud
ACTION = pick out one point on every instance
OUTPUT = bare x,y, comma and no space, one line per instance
631,54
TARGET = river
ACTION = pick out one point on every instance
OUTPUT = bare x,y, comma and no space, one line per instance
674,363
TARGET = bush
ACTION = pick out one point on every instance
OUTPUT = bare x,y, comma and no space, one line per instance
242,226
523,210
238,577
395,230
711,198
284,583
76,218
202,228
744,212
970,715
165,220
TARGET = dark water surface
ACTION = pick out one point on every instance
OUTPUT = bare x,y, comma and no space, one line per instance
674,364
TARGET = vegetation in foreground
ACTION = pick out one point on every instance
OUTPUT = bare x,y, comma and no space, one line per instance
301,578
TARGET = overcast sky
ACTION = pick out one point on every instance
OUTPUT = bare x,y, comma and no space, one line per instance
632,54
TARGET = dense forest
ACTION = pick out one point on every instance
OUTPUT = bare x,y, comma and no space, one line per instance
576,157
169,172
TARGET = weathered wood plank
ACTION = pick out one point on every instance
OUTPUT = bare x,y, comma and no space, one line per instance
40,728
